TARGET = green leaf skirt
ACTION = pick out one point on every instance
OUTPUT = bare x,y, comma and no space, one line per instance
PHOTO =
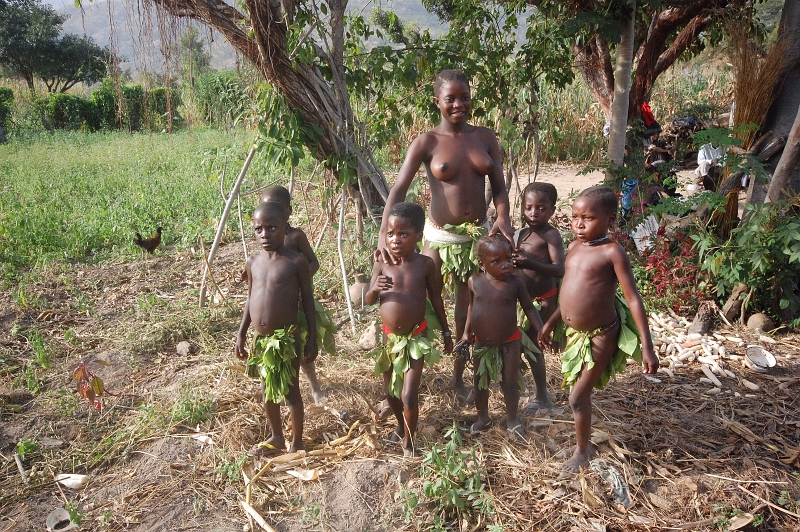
271,362
398,352
578,352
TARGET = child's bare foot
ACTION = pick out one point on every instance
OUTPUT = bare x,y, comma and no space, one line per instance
463,395
294,447
396,435
410,453
579,460
317,395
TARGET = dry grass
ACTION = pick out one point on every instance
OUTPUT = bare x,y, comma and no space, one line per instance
683,454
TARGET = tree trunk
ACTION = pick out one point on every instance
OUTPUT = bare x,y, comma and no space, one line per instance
622,87
783,111
779,186
307,93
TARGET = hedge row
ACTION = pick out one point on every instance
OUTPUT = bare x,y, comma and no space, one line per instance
139,110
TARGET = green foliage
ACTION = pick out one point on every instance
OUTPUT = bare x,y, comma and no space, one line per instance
75,59
108,186
193,407
763,252
132,108
454,489
28,32
6,100
219,97
75,514
65,111
230,471
27,447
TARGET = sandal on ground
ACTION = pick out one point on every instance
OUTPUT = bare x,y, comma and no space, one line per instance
264,450
517,433
475,431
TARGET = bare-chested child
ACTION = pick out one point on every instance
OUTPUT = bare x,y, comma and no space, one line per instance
596,318
296,240
492,325
278,278
539,260
402,285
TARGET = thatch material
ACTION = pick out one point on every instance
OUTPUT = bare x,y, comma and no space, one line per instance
756,76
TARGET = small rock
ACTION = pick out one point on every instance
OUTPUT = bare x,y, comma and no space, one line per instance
369,338
185,348
429,431
105,357
358,289
760,322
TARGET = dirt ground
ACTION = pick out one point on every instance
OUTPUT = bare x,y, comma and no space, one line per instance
688,458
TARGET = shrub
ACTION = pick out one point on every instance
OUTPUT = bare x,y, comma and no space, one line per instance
65,111
6,100
763,253
220,97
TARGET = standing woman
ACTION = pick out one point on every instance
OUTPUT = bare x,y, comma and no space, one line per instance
458,157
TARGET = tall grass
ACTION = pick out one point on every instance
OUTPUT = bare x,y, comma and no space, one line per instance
79,196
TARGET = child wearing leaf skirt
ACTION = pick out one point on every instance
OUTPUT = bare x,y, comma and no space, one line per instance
601,334
402,285
278,279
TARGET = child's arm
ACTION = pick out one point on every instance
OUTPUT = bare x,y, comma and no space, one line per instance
547,330
307,299
378,284
530,311
467,336
555,247
622,268
434,289
241,336
304,247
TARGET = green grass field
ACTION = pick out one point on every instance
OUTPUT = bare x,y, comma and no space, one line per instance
77,196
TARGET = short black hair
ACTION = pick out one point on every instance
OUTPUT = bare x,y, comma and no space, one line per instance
545,189
604,197
447,76
279,194
271,207
488,241
411,212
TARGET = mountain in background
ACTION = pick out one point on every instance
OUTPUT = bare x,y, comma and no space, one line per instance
140,43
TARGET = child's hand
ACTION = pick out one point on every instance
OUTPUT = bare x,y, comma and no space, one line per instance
243,275
383,283
310,353
649,361
448,342
239,350
545,340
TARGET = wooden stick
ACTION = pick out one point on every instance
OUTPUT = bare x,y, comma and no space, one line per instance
341,261
771,505
208,270
746,481
221,229
21,468
256,517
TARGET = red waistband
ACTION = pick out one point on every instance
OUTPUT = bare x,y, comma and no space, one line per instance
419,330
548,295
516,335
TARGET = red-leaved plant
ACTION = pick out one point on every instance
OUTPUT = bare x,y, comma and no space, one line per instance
671,274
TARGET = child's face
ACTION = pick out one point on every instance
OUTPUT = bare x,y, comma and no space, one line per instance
496,261
536,209
401,238
454,101
589,221
269,228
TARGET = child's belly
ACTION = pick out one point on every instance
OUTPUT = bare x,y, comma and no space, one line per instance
586,306
493,326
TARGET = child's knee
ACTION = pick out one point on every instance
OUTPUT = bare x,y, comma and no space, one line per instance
579,402
294,397
410,399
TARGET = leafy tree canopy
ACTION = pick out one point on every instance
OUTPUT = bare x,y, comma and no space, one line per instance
74,59
28,32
